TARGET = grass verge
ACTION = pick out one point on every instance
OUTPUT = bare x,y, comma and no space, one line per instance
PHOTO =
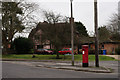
53,57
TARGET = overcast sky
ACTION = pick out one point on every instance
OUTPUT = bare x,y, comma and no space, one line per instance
83,10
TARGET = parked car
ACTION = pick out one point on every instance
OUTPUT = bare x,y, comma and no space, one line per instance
67,51
43,51
48,51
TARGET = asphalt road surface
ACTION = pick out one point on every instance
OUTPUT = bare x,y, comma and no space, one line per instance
12,70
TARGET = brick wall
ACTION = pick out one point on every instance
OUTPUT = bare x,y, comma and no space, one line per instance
109,47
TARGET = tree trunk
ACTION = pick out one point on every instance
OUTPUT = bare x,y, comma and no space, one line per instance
5,48
57,57
4,43
56,51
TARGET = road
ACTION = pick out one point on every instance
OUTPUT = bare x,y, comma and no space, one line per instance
13,70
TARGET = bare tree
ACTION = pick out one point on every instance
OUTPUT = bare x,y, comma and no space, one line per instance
53,18
54,33
15,17
114,27
114,23
29,18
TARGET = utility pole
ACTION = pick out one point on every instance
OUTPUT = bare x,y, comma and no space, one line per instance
0,26
1,35
72,34
119,17
96,34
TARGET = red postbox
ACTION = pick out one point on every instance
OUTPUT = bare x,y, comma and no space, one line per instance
85,55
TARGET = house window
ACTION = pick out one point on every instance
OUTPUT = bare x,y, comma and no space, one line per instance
39,46
113,51
37,37
102,46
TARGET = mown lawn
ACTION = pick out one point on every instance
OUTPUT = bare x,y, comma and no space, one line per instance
53,57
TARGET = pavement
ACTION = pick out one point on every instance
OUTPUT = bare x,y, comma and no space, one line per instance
76,67
117,57
64,65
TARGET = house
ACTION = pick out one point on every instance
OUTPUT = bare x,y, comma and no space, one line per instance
36,37
108,46
41,40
